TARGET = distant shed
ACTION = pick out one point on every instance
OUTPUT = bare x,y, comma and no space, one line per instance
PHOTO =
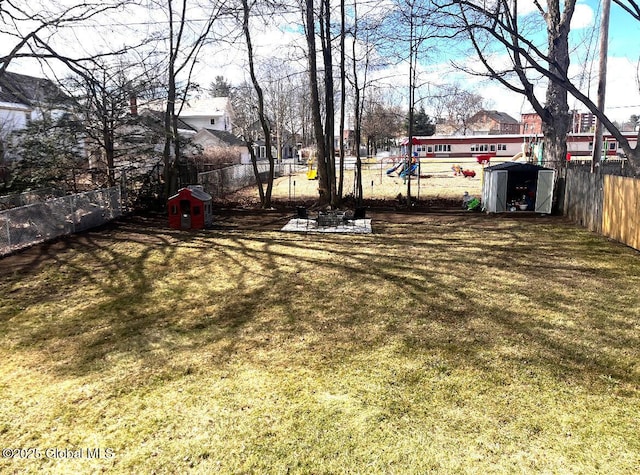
190,208
519,186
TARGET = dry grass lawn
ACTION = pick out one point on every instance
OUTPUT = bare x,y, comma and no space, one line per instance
447,343
437,181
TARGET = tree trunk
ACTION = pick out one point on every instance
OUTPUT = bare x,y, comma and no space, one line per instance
329,129
266,129
557,104
343,91
256,172
556,122
357,132
324,196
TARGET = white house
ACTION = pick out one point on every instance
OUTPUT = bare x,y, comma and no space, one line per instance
26,98
213,141
214,113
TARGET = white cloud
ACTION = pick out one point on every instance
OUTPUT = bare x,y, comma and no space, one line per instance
583,17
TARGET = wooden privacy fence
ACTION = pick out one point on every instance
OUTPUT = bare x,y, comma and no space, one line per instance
621,210
606,204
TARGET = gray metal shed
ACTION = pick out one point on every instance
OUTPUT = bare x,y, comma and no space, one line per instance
511,183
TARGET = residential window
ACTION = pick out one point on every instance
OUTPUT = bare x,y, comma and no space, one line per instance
502,146
430,149
492,148
212,121
442,148
613,145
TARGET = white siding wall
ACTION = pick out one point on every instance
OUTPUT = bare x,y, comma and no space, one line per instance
12,119
220,122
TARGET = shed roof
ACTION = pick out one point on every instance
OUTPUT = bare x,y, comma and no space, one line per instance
516,167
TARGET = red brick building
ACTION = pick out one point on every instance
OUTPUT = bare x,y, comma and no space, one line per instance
530,124
490,122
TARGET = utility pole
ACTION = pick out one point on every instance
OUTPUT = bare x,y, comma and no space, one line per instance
602,84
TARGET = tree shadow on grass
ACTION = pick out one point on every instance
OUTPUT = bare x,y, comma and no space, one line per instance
462,289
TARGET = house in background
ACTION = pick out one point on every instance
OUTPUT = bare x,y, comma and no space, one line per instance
214,113
581,123
286,139
26,98
221,146
491,122
530,124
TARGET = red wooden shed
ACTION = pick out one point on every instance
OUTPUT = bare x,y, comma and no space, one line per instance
190,208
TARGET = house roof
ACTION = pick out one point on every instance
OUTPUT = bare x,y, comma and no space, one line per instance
497,116
159,116
226,137
213,106
31,91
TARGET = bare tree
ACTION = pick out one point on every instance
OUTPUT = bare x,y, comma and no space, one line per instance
106,95
243,98
343,94
185,40
502,25
262,117
365,32
630,6
456,105
382,121
30,30
322,113
419,27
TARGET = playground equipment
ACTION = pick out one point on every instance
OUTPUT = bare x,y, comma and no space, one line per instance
395,167
311,173
485,158
401,168
412,171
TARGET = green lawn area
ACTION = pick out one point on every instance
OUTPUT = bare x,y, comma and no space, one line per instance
450,343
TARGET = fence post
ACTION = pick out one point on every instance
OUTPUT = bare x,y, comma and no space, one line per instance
8,233
72,213
119,201
123,195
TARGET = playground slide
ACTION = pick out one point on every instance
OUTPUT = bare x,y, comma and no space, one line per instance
394,168
412,170
517,157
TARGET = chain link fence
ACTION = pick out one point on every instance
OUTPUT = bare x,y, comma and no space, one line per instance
28,197
223,181
27,225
